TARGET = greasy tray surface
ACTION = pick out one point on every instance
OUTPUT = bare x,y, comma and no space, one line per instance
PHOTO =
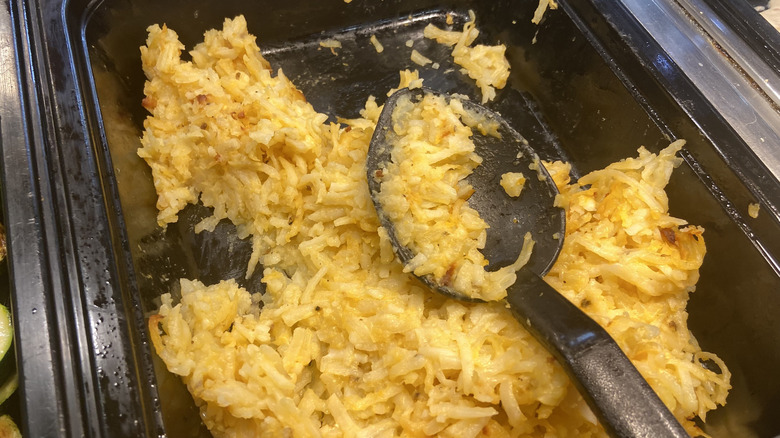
594,117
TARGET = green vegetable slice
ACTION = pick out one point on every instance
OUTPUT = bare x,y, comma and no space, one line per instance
8,375
6,331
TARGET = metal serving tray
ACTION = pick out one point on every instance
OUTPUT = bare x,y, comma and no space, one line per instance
93,261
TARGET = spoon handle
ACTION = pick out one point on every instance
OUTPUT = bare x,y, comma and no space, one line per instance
623,401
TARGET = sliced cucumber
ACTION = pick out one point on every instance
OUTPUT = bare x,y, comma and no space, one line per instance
8,388
8,378
6,331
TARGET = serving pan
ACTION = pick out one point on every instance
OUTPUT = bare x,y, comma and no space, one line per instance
96,262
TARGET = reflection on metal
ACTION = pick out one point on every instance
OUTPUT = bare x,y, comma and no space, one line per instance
740,85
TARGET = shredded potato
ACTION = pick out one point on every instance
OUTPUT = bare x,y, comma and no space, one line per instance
377,45
487,65
542,8
331,44
631,266
753,209
343,342
420,59
513,183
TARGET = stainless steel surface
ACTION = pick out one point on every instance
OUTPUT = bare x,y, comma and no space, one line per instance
745,58
743,88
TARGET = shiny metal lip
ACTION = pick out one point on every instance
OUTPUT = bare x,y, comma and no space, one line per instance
731,75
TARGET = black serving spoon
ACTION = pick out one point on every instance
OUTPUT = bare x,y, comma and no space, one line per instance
616,392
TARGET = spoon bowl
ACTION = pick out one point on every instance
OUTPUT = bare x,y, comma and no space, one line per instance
509,217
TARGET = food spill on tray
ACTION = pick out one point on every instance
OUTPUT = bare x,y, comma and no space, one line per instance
753,209
424,193
343,342
513,183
